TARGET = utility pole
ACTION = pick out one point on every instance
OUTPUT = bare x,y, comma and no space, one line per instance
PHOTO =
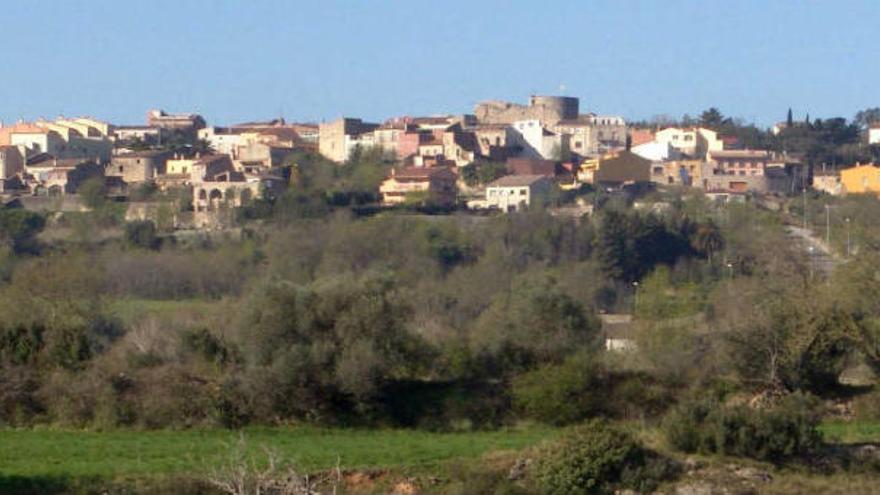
828,226
805,208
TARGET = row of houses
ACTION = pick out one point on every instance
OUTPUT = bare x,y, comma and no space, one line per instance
546,144
57,157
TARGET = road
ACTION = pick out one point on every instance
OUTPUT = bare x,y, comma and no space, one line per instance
824,259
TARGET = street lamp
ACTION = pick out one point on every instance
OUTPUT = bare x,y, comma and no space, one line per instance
730,269
635,296
810,250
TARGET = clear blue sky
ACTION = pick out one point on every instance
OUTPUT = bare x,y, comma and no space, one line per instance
314,60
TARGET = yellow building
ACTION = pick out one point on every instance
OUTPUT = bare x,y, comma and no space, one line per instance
861,179
179,166
587,172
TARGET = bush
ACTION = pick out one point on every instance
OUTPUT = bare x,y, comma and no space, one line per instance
19,229
867,407
560,394
142,234
777,434
599,458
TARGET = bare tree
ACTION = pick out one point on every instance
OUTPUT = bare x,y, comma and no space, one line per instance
247,475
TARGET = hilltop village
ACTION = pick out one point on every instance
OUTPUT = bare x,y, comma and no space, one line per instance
503,157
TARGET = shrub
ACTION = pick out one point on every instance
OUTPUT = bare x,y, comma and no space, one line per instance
777,434
638,396
598,458
560,394
142,234
683,425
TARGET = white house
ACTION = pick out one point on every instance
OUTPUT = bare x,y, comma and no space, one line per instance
517,192
538,142
692,141
657,151
874,134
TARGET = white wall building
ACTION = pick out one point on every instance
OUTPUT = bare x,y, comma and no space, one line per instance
874,134
692,141
517,192
657,151
538,142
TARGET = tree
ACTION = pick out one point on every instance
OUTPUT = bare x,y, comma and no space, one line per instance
534,323
482,172
92,192
707,240
789,121
775,339
613,246
329,347
864,118
712,118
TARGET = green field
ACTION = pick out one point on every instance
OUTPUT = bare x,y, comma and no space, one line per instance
38,458
851,432
108,455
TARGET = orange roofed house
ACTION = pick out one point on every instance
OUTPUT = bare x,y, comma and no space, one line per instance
437,183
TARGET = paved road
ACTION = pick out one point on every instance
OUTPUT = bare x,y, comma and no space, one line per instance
824,259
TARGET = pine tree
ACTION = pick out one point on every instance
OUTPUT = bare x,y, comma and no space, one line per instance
789,122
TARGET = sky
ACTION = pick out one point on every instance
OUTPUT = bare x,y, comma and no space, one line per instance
235,61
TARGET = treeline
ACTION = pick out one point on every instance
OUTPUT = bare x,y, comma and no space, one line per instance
835,142
392,319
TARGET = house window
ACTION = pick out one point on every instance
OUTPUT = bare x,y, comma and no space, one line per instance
120,169
522,192
577,144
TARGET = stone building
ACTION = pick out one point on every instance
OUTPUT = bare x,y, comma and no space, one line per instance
494,141
67,176
679,172
187,122
255,156
338,138
827,181
11,162
548,110
738,162
139,166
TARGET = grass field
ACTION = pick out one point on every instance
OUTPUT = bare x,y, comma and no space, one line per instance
852,432
51,461
77,454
